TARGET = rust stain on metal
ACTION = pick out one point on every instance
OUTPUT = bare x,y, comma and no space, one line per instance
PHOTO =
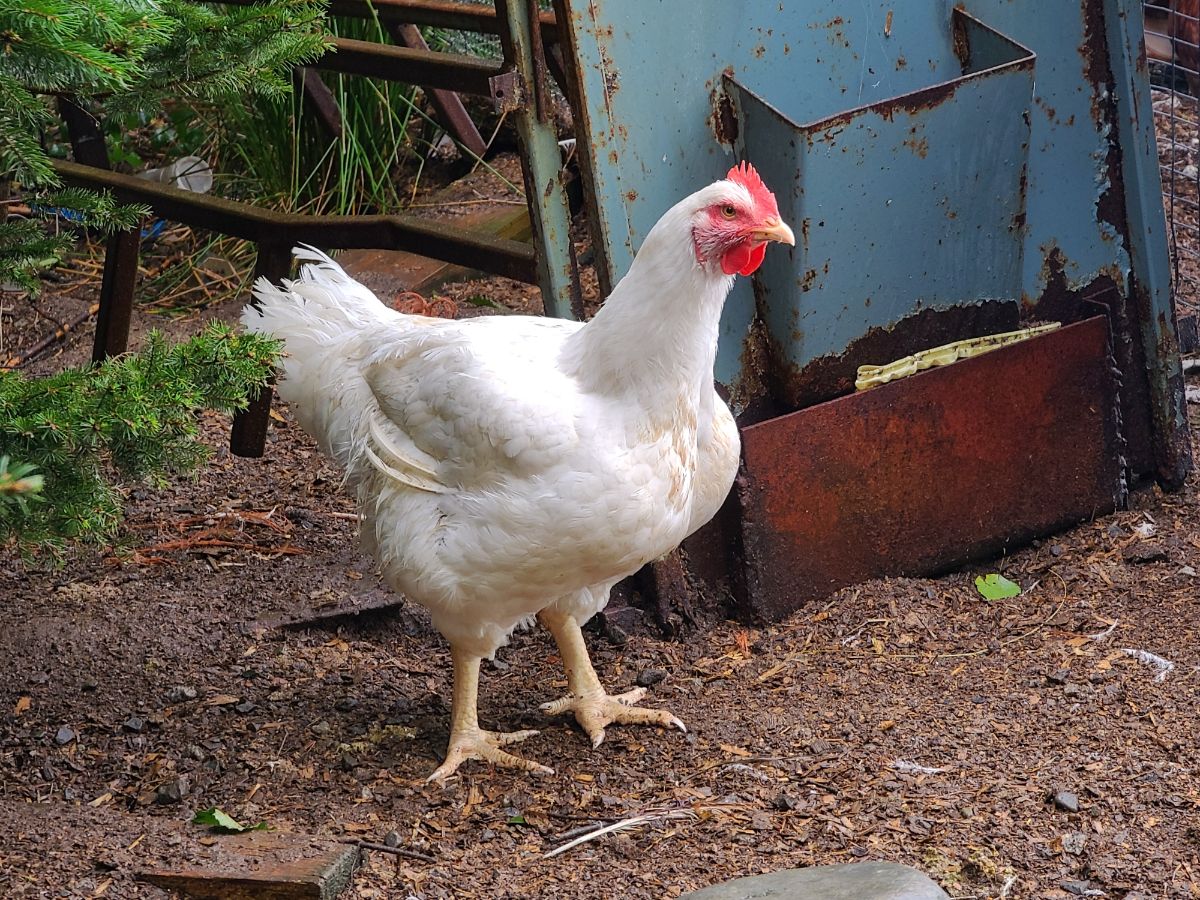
917,144
832,376
960,42
840,492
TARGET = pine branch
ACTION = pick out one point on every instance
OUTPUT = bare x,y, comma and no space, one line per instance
131,418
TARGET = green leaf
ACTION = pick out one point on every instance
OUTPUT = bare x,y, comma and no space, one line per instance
224,823
996,587
517,820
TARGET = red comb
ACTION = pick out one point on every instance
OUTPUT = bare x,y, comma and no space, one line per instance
745,175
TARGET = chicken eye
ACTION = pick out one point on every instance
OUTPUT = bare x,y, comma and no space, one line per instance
729,212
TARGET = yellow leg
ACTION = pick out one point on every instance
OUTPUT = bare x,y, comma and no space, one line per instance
467,739
594,707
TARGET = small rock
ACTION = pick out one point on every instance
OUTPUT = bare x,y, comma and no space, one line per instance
392,839
760,821
196,752
88,686
136,724
648,677
1059,676
785,802
322,727
1115,530
497,665
64,735
1066,801
181,693
246,706
1071,689
345,704
1081,888
1057,549
1140,554
1073,842
617,636
172,792
348,762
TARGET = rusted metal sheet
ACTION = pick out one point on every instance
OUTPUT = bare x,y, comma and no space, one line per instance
931,471
652,127
940,217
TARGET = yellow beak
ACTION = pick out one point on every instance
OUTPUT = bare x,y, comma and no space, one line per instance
774,229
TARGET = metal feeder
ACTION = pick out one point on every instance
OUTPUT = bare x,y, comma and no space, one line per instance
951,171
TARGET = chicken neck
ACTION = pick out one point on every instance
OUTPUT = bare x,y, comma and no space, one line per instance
654,341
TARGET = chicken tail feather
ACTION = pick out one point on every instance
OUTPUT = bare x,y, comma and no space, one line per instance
325,318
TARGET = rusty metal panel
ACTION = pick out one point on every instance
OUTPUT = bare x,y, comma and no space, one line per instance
653,126
896,212
858,487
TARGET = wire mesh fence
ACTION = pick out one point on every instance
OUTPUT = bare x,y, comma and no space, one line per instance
1173,48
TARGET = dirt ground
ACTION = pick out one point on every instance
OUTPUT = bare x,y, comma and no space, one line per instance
1019,748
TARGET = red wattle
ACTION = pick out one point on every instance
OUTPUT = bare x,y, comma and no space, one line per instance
756,258
736,259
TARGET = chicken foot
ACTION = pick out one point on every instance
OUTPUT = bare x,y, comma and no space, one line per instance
467,739
594,707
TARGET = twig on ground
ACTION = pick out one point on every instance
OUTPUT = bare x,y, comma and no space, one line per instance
45,343
384,848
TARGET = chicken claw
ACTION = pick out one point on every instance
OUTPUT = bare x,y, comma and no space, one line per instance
594,711
485,745
594,707
467,739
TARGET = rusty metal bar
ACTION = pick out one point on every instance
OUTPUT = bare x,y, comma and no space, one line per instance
87,141
116,294
450,110
324,103
537,52
465,74
512,259
249,434
545,185
435,13
1149,276
121,252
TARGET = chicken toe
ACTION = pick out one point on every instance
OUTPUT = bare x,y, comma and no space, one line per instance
467,739
594,708
485,745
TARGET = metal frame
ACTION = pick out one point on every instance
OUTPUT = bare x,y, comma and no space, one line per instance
521,75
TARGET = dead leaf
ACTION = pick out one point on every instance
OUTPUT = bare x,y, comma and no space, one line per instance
23,704
222,700
736,751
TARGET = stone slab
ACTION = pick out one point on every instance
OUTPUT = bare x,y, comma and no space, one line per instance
852,881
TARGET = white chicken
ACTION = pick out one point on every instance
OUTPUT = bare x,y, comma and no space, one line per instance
515,466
